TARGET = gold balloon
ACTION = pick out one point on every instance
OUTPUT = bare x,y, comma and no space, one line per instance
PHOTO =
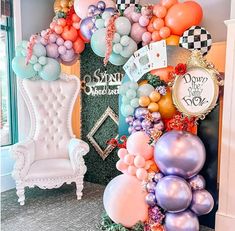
142,82
144,101
62,5
153,107
154,96
166,106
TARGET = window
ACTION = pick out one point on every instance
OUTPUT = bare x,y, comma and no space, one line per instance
8,114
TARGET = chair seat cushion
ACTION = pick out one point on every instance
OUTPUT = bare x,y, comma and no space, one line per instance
50,168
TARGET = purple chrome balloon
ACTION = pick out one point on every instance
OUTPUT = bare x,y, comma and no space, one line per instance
91,9
202,202
146,124
197,182
151,187
173,194
156,116
111,10
86,25
101,5
184,221
137,125
129,120
158,176
159,125
179,153
150,199
140,113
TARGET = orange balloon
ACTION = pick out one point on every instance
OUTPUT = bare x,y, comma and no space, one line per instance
61,22
144,101
168,3
153,107
173,40
58,29
142,82
166,106
159,11
150,27
165,32
158,23
182,16
164,73
79,46
75,18
69,33
156,36
154,96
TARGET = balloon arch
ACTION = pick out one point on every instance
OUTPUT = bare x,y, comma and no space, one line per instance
160,188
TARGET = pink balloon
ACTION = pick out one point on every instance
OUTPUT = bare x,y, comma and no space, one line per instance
137,144
129,159
128,13
137,32
146,37
139,161
148,164
122,152
141,174
143,21
121,166
124,200
131,170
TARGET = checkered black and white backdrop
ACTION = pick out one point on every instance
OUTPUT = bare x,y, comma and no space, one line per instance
123,4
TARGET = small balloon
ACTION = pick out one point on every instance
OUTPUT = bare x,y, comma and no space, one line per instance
197,182
150,199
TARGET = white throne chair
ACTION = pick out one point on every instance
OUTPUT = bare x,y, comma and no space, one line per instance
52,155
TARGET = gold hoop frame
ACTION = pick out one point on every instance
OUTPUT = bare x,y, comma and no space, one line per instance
196,62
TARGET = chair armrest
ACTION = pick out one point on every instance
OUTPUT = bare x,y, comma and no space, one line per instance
24,154
78,149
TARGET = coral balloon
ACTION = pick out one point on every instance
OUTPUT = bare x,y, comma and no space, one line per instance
139,161
166,106
61,22
181,16
144,101
141,174
164,73
159,11
137,31
156,36
122,152
129,159
168,3
165,32
173,40
124,200
158,23
153,107
121,166
69,33
58,29
79,46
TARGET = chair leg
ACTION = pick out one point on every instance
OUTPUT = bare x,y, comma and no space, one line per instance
20,193
79,186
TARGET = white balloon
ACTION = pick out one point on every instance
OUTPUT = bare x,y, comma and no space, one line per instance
123,26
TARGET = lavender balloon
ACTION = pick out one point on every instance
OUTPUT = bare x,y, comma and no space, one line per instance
197,182
137,125
52,50
173,194
159,125
86,25
140,113
179,153
151,187
202,202
156,116
146,124
150,199
69,56
184,221
157,177
129,120
101,5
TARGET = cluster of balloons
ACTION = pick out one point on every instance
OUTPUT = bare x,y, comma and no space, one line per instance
38,65
178,189
62,6
136,160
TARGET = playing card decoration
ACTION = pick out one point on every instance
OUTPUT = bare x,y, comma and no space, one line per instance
123,4
196,38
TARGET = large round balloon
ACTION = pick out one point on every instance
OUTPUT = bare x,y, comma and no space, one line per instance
184,221
86,27
183,15
138,144
179,153
51,70
173,194
202,202
98,42
117,59
123,25
124,200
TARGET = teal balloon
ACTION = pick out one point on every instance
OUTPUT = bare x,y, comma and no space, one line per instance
125,100
42,60
128,110
33,59
135,102
133,85
39,50
128,50
117,60
51,71
99,23
24,44
123,25
37,67
21,69
131,94
117,48
123,89
98,42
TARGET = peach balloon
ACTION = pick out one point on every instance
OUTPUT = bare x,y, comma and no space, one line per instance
69,33
129,159
158,23
139,161
156,36
144,101
141,174
159,11
173,40
164,73
124,200
168,3
182,16
122,152
148,164
154,96
153,107
150,28
58,29
121,166
61,22
79,46
131,170
138,144
165,32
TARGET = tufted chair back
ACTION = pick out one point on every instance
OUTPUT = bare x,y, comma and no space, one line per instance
50,105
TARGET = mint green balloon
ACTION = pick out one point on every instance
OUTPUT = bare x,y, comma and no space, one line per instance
129,49
123,89
99,23
98,42
117,48
116,38
39,50
18,50
133,85
123,25
51,71
131,94
125,100
42,60
127,110
21,69
117,60
24,44
135,102
33,59
37,67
